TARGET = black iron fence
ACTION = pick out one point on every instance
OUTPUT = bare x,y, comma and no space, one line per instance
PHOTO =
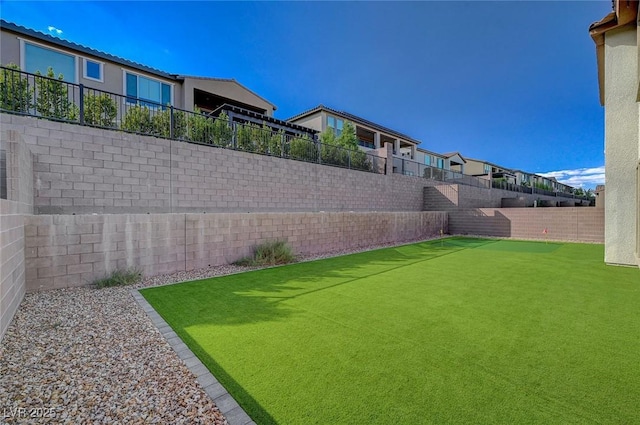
414,168
55,99
504,185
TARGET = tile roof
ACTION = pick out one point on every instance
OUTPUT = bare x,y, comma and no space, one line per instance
243,111
355,118
82,49
450,154
112,58
227,80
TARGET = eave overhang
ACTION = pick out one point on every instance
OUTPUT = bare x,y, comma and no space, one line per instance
625,13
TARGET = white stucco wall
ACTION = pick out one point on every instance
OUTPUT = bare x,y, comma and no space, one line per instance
622,145
314,121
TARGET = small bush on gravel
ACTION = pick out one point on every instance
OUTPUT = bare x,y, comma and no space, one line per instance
119,278
269,254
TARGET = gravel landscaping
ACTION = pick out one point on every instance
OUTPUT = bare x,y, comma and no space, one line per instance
85,355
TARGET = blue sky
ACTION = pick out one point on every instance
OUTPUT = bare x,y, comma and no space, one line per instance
513,83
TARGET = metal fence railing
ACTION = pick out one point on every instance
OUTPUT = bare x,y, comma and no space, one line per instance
504,185
55,99
414,168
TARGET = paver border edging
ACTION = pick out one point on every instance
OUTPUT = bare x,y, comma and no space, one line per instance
228,406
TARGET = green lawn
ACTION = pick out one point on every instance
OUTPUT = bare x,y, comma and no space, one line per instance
461,331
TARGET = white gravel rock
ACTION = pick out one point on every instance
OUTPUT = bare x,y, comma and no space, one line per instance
88,355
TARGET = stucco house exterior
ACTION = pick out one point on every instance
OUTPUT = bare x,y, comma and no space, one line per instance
35,51
524,178
600,196
617,50
455,162
489,170
432,159
480,168
370,135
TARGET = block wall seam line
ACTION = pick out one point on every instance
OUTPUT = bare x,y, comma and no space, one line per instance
205,239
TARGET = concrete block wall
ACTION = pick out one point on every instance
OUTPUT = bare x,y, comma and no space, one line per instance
445,197
19,163
73,250
67,250
12,265
214,239
580,224
82,170
12,211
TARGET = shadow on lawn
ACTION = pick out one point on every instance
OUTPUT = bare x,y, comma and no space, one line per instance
259,295
253,408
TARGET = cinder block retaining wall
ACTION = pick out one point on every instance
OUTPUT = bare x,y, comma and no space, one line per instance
12,267
463,204
68,250
82,170
445,197
19,202
581,224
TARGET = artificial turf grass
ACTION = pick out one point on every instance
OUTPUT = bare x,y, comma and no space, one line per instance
455,331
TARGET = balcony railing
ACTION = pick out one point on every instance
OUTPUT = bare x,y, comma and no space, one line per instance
414,168
35,95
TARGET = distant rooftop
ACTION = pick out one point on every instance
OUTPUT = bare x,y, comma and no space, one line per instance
356,119
9,26
83,49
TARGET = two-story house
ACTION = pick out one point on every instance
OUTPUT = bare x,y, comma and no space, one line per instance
34,51
370,135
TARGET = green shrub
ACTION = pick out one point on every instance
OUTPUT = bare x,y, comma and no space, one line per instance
100,110
275,143
360,161
245,136
269,254
262,137
138,120
543,186
15,93
302,149
119,277
200,128
53,97
222,131
161,123
343,150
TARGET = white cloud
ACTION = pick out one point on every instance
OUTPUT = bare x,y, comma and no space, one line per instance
54,30
580,177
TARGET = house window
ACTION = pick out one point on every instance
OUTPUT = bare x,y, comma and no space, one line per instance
93,70
141,89
487,168
440,163
335,124
38,58
427,160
